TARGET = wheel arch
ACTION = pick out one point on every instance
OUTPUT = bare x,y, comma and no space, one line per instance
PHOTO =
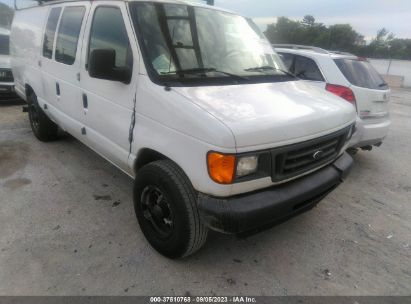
146,156
28,90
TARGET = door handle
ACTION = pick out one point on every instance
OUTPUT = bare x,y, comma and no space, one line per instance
57,89
85,101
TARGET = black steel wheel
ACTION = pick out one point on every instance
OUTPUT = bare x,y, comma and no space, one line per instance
166,208
157,211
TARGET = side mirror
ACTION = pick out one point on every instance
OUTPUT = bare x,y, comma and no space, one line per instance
102,65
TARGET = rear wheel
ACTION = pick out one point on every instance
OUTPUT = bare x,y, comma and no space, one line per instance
166,208
43,128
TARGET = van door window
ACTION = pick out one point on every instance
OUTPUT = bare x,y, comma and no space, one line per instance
50,32
306,68
109,32
69,31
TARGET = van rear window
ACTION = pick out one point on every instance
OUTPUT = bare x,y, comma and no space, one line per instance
69,31
361,74
50,32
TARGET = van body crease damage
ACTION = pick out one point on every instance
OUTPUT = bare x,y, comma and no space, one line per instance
132,124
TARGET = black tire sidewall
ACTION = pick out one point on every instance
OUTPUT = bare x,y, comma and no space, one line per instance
32,102
46,130
176,245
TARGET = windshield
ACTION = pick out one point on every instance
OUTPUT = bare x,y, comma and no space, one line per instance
4,45
361,74
194,44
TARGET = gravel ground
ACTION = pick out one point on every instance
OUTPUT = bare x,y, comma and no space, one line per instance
68,228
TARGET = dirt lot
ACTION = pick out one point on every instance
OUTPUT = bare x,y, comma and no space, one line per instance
68,228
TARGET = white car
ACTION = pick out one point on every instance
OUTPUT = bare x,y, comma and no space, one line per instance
215,137
349,77
6,76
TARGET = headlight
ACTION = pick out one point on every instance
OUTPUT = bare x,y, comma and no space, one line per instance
247,165
232,168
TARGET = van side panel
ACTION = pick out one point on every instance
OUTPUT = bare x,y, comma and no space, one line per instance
25,47
62,93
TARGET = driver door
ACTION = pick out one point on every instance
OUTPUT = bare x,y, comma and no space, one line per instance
108,105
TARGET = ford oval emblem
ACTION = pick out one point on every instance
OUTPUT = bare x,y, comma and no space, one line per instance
318,155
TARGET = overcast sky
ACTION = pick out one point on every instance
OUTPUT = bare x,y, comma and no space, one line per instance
366,16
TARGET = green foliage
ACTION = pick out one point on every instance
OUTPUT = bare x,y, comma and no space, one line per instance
341,37
309,20
6,15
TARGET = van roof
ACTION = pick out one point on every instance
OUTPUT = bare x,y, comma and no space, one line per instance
186,2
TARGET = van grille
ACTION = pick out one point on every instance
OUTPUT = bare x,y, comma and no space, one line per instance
6,75
295,160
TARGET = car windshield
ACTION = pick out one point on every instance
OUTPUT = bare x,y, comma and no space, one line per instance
187,43
4,45
361,74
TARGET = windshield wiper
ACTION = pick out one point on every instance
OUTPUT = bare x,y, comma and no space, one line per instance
384,84
269,68
203,71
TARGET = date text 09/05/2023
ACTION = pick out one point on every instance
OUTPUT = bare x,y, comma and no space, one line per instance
188,299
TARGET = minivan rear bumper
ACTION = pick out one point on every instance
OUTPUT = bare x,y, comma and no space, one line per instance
369,134
252,212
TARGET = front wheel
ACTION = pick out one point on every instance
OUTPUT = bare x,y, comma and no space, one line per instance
166,208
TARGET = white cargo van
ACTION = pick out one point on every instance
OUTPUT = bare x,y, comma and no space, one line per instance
189,100
6,76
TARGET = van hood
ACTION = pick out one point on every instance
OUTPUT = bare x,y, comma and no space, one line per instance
4,62
273,114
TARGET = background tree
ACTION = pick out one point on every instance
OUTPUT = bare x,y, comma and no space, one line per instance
309,20
296,32
341,37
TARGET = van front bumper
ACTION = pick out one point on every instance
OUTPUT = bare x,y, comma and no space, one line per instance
252,212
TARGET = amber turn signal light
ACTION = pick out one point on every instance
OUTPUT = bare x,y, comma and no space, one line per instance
221,167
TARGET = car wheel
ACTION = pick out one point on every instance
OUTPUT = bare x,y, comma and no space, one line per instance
43,128
166,208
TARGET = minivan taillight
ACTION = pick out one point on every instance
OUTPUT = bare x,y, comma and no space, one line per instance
342,91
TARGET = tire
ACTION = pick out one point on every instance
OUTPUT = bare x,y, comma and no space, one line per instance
166,208
43,128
